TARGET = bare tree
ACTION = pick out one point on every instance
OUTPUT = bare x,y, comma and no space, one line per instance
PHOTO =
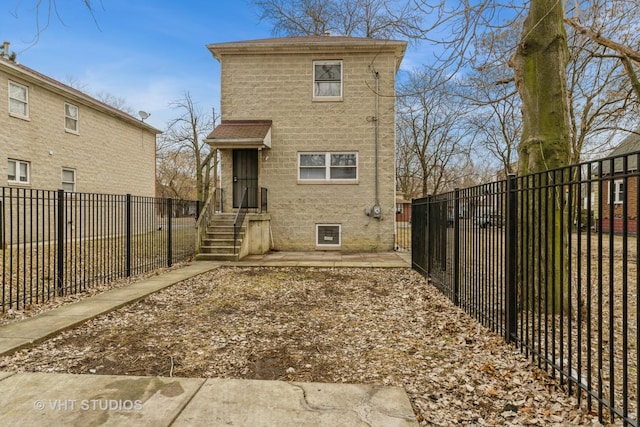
175,174
490,87
362,18
429,128
108,98
44,10
614,26
186,134
118,102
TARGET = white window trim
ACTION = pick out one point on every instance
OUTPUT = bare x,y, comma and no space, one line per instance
615,194
329,245
75,178
327,166
26,102
17,180
77,118
313,83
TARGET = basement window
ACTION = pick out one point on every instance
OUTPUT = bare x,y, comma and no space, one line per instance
328,235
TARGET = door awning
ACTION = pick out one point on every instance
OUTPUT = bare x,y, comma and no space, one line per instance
241,134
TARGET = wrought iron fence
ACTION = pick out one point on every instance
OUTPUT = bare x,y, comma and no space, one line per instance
403,228
549,261
56,243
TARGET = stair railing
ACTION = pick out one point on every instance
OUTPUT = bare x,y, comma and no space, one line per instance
205,216
242,212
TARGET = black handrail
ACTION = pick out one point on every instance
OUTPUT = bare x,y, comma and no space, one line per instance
242,212
263,199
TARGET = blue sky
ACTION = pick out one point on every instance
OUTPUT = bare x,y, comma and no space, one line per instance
149,52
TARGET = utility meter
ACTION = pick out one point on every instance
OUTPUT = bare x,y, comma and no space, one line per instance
377,211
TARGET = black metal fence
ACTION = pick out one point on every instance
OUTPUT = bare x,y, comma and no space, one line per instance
56,243
549,261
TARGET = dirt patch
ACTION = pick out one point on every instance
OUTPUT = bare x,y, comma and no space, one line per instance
374,326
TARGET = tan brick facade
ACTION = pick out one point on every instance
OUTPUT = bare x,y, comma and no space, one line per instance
274,81
112,152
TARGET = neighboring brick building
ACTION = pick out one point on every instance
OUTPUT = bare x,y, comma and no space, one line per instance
55,137
312,120
620,185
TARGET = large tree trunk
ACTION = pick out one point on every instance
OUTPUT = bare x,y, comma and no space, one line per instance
539,66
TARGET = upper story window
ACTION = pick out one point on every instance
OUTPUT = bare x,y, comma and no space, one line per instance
69,180
328,166
18,100
327,80
18,172
71,118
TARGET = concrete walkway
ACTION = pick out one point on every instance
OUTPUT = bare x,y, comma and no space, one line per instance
42,399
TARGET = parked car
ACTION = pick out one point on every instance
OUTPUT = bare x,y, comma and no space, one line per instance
488,220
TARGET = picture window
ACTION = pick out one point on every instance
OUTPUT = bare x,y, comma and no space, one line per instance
328,166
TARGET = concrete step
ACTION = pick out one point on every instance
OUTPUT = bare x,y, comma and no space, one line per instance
216,257
219,241
224,249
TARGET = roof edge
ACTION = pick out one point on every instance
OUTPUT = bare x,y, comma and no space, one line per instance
33,76
307,44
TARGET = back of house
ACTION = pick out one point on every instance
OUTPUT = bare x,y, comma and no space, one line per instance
309,124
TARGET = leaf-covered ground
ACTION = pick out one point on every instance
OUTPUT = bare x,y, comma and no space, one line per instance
375,326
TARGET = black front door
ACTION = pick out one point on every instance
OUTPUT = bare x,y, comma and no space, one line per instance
245,175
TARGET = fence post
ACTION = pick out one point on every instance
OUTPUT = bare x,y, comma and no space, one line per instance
511,259
61,228
456,247
169,229
128,231
429,234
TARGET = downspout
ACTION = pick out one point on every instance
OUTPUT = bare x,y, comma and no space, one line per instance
377,205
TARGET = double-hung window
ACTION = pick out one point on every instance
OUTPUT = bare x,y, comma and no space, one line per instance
69,180
18,172
329,166
616,191
327,80
18,100
70,118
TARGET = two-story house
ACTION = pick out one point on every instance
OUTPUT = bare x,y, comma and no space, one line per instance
56,137
308,129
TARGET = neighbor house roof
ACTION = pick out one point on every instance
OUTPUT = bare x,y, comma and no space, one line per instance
630,144
307,44
28,75
241,133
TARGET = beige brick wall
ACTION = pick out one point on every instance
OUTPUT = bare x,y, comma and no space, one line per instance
109,154
279,87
